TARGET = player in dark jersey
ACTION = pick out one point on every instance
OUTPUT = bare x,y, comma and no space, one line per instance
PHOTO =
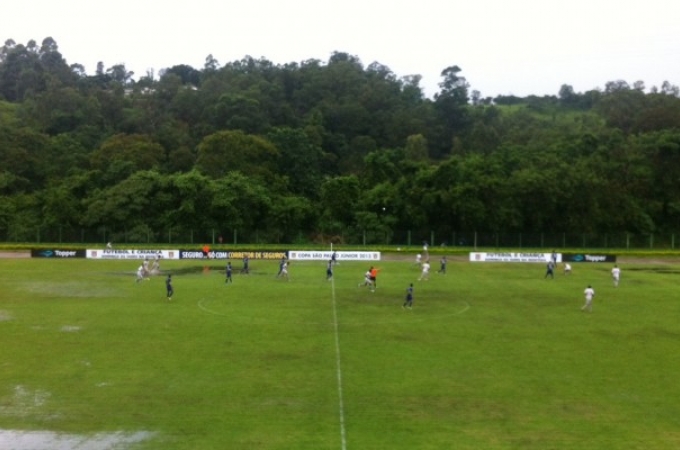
408,303
227,272
282,266
329,270
168,287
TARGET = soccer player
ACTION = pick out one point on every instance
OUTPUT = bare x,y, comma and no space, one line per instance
408,303
284,271
442,265
567,269
419,259
227,272
168,287
282,265
425,273
329,270
616,275
550,269
589,294
156,265
367,281
140,274
245,268
374,276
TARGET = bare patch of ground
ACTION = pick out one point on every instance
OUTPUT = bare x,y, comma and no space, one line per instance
15,255
639,260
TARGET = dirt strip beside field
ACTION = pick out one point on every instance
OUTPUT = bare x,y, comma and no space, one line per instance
15,255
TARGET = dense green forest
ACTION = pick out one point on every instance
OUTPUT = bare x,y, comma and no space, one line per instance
306,151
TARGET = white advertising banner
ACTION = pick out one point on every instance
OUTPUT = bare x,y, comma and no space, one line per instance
103,253
314,255
514,257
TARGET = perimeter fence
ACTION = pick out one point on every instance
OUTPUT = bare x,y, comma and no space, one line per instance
396,238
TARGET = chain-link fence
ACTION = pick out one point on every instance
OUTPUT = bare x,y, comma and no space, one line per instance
406,238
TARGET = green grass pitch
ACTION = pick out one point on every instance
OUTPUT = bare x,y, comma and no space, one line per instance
492,356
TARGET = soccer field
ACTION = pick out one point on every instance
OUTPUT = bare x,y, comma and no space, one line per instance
492,356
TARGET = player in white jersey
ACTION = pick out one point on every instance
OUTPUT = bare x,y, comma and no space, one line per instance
589,293
425,273
140,274
368,281
616,275
567,269
284,271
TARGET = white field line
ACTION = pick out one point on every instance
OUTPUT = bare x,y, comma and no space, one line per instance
338,369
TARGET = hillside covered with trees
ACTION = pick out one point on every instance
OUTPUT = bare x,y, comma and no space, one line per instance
303,151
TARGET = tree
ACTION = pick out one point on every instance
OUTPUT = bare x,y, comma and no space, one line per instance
211,64
62,110
639,86
567,95
55,66
416,148
300,161
186,73
138,201
376,212
670,89
290,217
659,112
229,151
136,152
240,112
616,86
664,149
451,106
20,72
65,156
339,197
241,203
381,166
119,74
192,196
63,200
21,154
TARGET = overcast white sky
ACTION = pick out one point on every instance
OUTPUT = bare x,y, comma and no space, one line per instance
518,47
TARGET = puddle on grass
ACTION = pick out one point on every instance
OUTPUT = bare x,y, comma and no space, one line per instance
49,440
25,402
208,268
191,270
67,289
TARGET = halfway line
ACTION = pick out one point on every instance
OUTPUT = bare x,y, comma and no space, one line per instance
338,370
